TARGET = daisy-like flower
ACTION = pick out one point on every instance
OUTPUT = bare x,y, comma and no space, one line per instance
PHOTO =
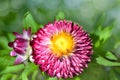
21,47
62,49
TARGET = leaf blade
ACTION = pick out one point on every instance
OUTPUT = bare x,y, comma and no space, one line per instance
102,61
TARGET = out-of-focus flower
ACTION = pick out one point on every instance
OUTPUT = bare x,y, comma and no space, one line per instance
62,49
21,47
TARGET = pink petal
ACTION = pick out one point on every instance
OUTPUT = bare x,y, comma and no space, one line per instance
26,35
19,50
17,35
18,60
10,44
13,53
29,31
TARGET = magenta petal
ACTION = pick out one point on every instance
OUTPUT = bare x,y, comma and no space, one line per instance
21,47
17,35
65,66
19,60
19,50
26,35
13,53
10,44
27,32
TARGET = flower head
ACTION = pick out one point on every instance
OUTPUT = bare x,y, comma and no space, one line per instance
62,49
21,46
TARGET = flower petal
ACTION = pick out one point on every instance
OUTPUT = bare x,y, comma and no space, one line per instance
26,34
13,53
17,35
10,44
19,60
74,55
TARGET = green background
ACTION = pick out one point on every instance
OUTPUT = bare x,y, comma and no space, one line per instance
100,18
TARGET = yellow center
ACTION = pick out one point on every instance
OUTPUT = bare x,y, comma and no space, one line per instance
61,44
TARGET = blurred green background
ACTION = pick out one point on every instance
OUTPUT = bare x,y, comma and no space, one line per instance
100,18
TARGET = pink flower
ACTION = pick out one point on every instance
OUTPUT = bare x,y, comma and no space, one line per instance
21,47
62,49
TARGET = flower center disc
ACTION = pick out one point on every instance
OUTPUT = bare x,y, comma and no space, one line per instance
61,44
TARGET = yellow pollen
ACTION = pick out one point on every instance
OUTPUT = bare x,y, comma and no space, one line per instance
61,44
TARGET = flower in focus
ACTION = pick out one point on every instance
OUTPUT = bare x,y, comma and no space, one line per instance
62,49
21,47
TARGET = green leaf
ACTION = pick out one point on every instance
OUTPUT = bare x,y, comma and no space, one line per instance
109,55
34,75
4,52
29,21
5,59
93,72
8,76
41,26
60,16
102,61
14,77
10,36
117,51
4,43
30,67
112,75
53,78
13,69
44,76
105,34
98,31
101,20
97,44
24,76
117,44
77,78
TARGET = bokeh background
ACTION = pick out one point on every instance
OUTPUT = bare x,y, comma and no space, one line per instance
100,18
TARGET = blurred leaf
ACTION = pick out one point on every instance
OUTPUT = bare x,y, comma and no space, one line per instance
105,34
43,73
14,77
4,52
74,78
8,76
41,26
10,36
13,69
29,21
77,78
53,78
94,72
4,43
5,59
109,55
34,75
112,75
117,69
117,45
30,67
97,44
60,16
98,31
102,61
117,51
24,76
101,20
